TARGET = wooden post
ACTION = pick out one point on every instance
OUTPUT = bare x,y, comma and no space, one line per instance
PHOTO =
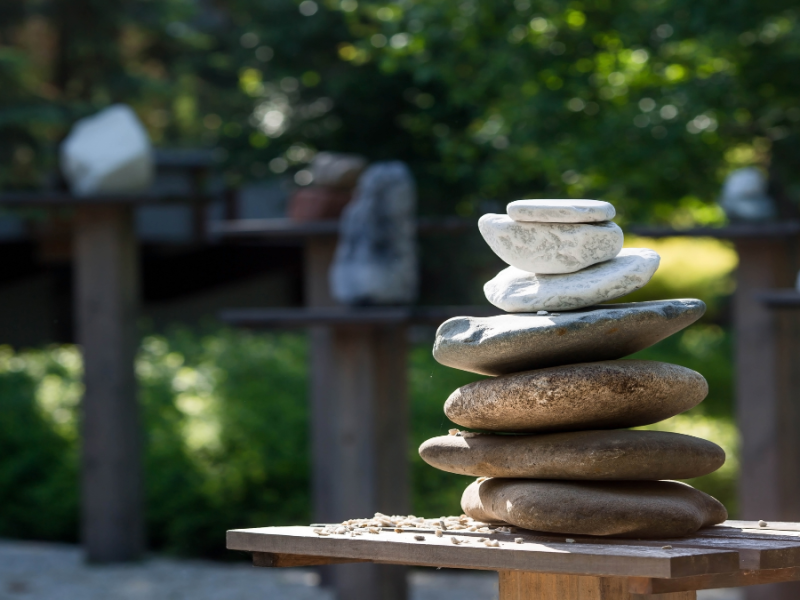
522,585
106,294
359,429
766,384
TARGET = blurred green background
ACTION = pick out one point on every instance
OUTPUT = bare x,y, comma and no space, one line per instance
648,104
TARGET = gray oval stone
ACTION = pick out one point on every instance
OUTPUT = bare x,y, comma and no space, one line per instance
576,455
628,509
597,395
561,211
518,342
550,247
515,290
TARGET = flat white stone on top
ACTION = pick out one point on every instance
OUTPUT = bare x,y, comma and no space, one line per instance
561,211
550,248
517,291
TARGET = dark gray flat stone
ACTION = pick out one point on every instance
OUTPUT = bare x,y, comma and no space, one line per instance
576,455
632,509
520,342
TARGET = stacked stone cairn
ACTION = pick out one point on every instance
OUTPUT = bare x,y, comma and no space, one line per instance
552,452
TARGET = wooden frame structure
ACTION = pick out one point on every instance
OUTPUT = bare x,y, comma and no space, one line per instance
107,296
540,566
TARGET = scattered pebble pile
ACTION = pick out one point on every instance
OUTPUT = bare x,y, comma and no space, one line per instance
554,455
460,530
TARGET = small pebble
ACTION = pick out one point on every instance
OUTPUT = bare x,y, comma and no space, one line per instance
481,540
667,547
519,540
492,543
452,431
456,541
419,538
570,541
439,533
398,530
340,530
762,523
374,530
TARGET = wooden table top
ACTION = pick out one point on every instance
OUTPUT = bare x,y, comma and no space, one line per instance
732,554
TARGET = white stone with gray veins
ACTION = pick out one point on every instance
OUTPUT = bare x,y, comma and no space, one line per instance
550,248
561,211
520,342
517,291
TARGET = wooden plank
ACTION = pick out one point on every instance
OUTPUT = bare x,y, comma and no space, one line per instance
516,585
579,559
106,298
755,525
272,560
736,231
265,229
753,553
644,585
295,318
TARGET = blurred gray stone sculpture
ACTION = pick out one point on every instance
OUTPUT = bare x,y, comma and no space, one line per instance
108,153
376,259
332,169
744,196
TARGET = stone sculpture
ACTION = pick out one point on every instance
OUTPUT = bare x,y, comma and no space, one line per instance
744,196
553,456
108,153
376,259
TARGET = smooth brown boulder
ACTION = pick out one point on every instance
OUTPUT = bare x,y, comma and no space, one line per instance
577,455
628,509
598,395
522,341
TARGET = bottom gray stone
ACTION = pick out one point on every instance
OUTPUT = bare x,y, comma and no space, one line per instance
628,509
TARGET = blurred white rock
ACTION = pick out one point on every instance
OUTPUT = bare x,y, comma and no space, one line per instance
333,169
108,153
376,259
744,196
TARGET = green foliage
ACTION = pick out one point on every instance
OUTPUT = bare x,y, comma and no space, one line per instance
646,104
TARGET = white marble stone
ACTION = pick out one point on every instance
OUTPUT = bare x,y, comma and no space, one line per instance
561,211
550,248
517,291
108,153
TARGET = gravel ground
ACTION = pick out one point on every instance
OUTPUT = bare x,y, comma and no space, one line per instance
43,571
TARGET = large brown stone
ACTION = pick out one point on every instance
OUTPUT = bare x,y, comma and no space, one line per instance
577,455
632,509
598,395
522,341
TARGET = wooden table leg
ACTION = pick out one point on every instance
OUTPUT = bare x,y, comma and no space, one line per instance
520,585
106,293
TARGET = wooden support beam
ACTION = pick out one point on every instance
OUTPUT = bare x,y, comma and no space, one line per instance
767,378
273,560
106,295
519,585
359,429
